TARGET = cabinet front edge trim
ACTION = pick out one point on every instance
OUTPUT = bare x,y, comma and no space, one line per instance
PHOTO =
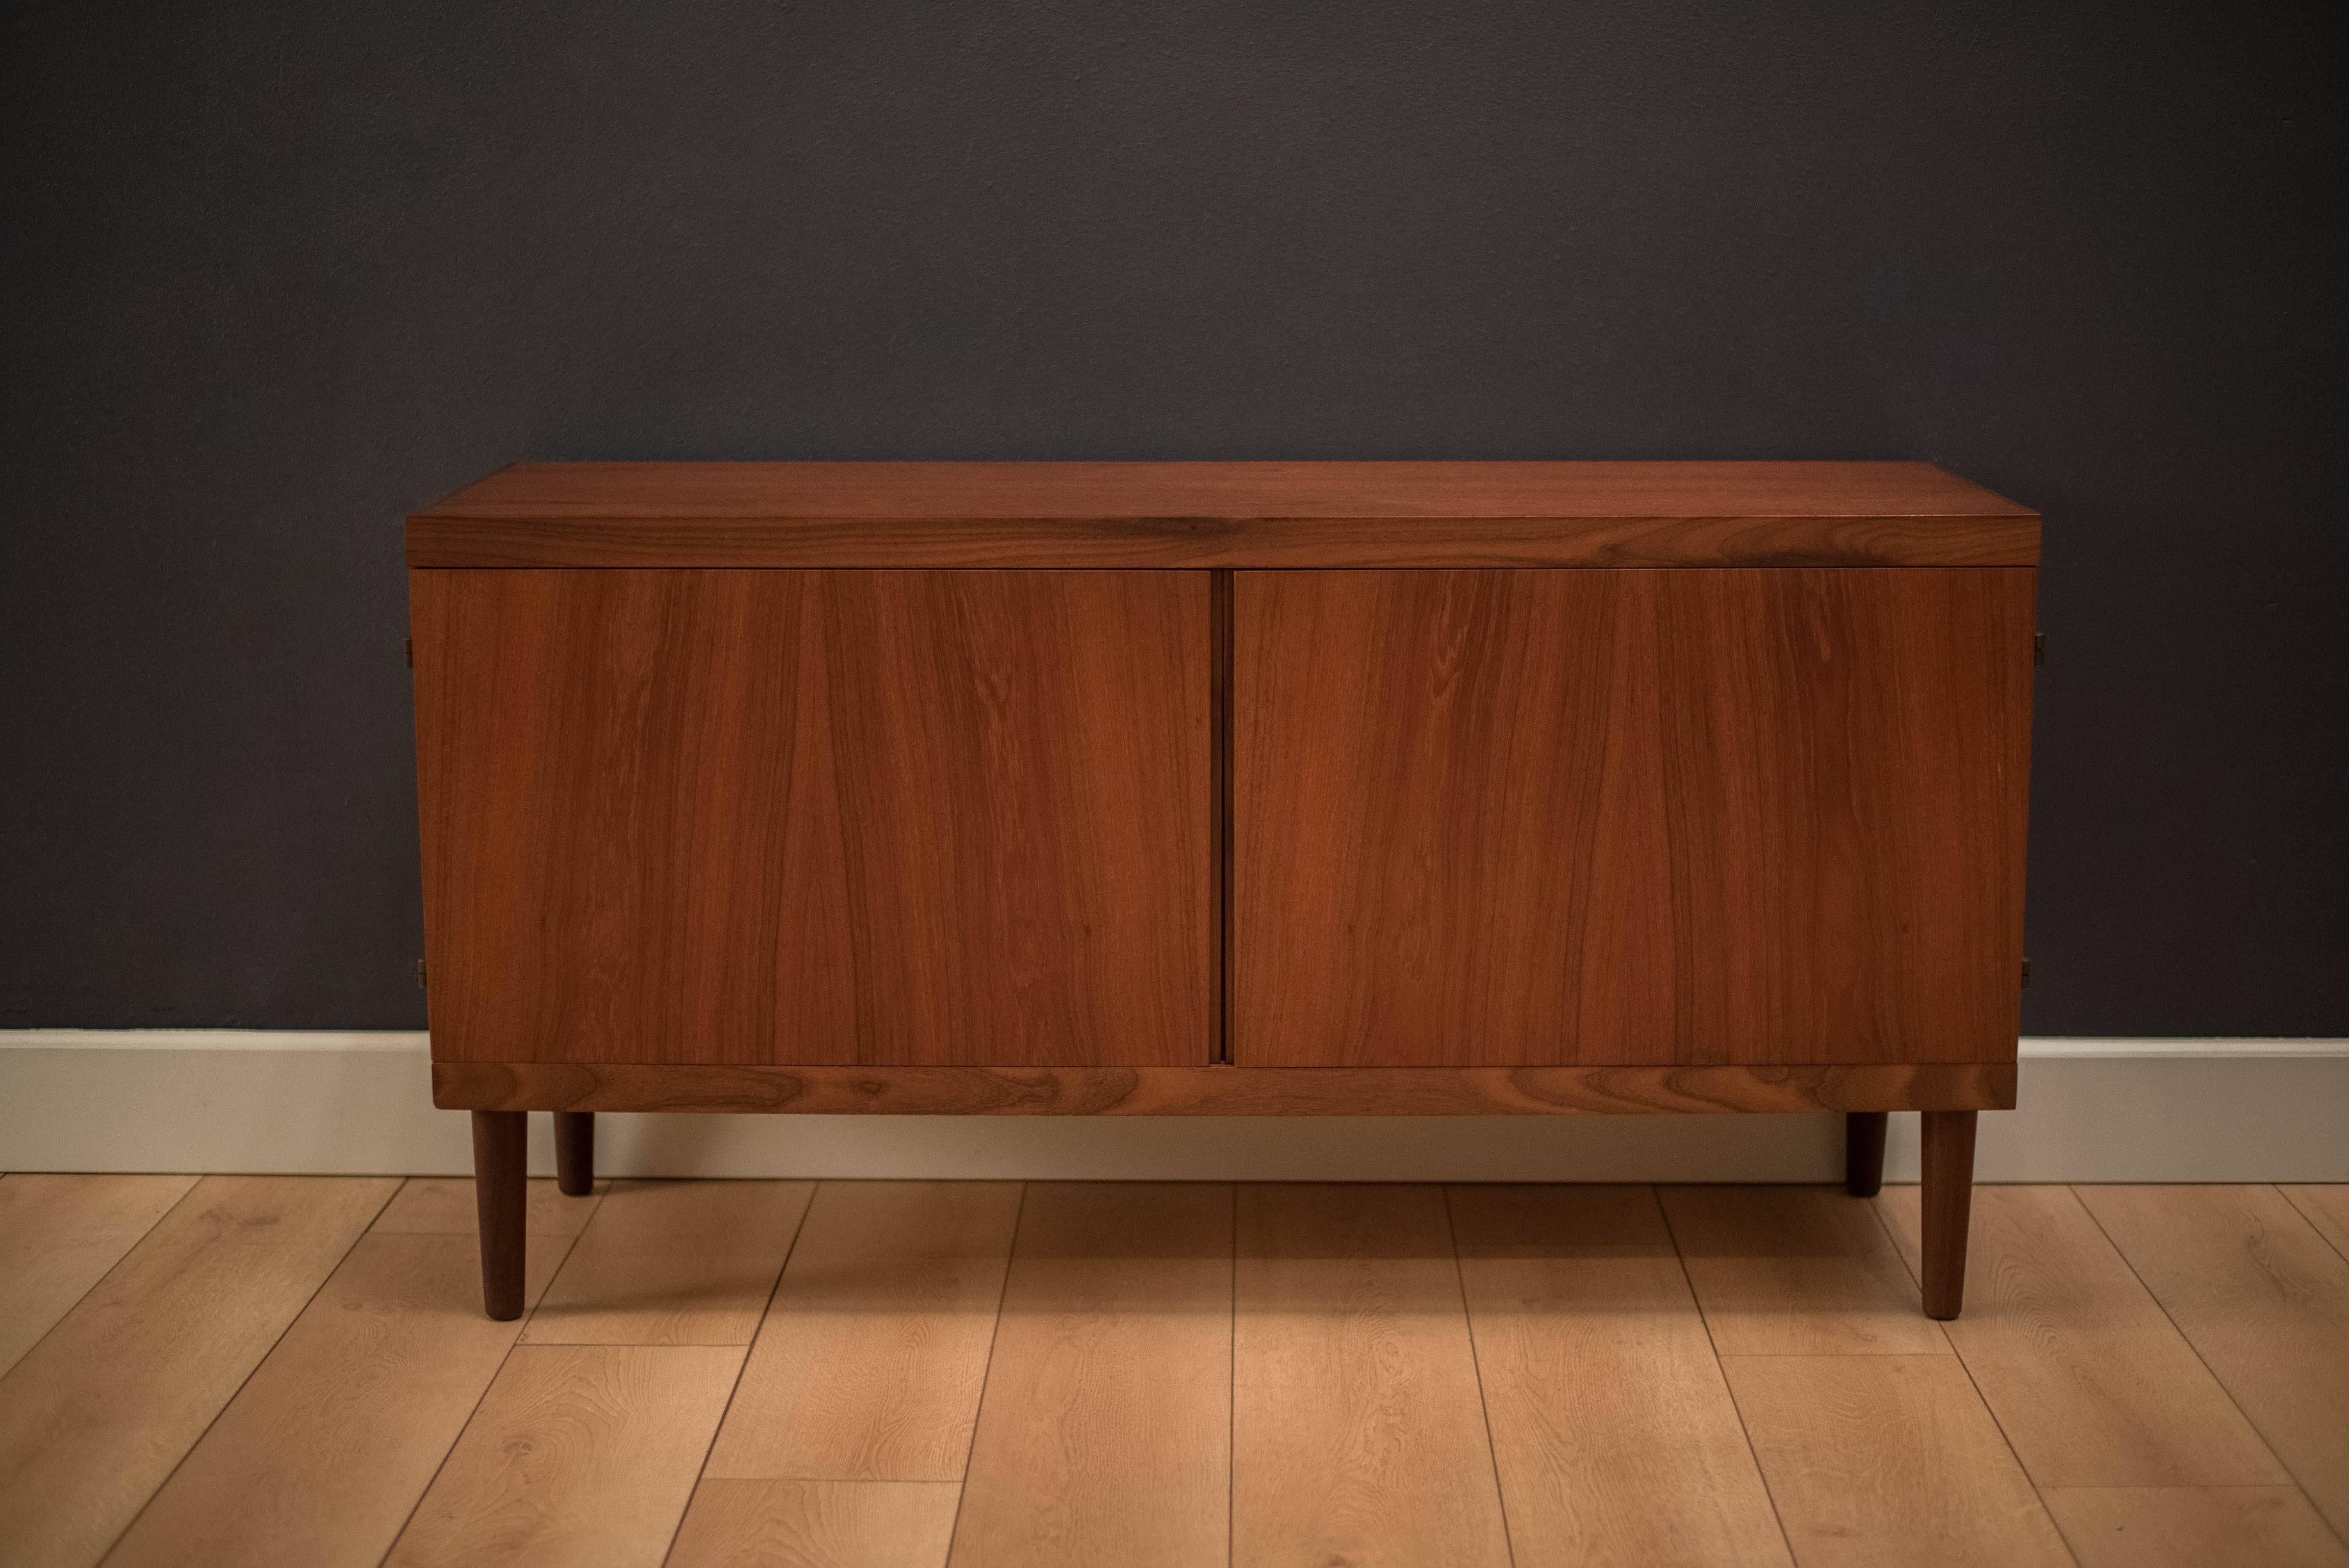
1219,1090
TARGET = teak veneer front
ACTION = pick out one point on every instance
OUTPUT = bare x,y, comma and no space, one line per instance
783,816
1500,817
1163,789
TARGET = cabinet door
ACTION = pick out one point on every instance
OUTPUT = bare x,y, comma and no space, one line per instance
1601,817
816,817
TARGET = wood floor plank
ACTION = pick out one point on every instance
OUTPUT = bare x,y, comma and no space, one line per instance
2264,1301
1357,1429
1797,1271
321,1456
59,1235
2324,1205
869,1364
2089,1379
1890,1460
1104,1433
817,1524
1614,1432
672,1263
95,1415
581,1456
444,1205
2193,1527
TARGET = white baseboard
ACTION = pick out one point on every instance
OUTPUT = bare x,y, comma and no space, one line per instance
259,1101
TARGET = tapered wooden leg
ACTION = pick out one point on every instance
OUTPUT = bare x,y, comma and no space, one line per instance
1863,1152
1948,1200
499,1138
575,1152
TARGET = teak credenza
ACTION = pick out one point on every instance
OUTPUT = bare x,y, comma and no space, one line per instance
1223,788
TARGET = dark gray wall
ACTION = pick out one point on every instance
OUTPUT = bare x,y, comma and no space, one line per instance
277,273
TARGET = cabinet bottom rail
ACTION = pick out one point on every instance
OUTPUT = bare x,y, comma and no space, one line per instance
1218,1091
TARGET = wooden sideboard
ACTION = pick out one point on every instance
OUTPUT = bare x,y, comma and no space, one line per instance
1225,789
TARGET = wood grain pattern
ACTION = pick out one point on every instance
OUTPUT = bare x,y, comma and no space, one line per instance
1183,543
1221,515
869,1363
1797,1271
2263,1300
1218,1091
1889,1460
1105,1432
1616,1439
2089,1379
581,1456
1357,1427
2324,1205
673,1262
95,1415
322,1454
444,1206
59,1235
817,1524
1503,817
832,817
2193,1527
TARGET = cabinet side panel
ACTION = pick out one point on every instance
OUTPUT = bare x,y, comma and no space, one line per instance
686,816
1556,817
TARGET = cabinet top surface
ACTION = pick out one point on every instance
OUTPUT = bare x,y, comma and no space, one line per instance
1234,491
1223,514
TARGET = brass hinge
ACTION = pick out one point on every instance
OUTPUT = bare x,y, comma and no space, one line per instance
2038,647
411,652
2026,974
420,973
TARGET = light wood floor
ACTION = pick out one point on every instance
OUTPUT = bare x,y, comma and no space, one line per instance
278,1370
